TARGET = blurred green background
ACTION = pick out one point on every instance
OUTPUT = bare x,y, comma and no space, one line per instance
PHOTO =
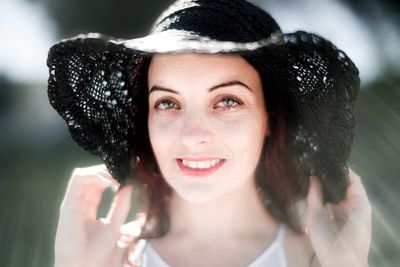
37,155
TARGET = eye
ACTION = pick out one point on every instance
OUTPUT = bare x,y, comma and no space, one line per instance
165,104
228,102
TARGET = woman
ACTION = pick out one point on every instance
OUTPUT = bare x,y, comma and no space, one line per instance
221,119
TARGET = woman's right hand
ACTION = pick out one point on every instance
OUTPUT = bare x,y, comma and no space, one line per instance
82,240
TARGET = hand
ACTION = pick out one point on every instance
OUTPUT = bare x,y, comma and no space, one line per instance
340,233
82,239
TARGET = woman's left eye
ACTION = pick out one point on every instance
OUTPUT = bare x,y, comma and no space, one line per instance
228,103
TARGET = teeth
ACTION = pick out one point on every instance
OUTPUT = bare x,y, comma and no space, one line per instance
200,164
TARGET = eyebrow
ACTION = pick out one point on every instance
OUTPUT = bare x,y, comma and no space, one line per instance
221,85
230,83
159,88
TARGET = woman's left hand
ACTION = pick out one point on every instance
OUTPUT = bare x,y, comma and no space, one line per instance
340,233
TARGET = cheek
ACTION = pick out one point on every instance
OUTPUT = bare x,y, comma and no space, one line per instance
162,135
247,138
156,136
241,134
247,130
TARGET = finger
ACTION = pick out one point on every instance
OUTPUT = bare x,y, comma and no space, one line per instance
125,252
356,187
101,169
356,201
338,214
85,190
81,183
318,219
88,176
120,252
314,197
133,228
127,239
121,206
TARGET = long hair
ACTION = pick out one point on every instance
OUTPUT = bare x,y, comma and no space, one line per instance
277,176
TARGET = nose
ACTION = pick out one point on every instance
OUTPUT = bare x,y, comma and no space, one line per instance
196,130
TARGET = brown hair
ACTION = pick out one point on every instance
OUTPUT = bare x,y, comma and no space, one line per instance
277,176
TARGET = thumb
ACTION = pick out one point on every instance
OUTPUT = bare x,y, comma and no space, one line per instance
317,214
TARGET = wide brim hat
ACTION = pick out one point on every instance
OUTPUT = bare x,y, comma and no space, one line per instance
95,83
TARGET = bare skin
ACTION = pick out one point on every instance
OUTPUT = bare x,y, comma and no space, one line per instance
340,233
219,215
95,241
82,239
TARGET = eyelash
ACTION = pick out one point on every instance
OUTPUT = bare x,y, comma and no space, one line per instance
233,105
234,102
164,101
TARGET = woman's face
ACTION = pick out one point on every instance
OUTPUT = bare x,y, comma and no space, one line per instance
207,122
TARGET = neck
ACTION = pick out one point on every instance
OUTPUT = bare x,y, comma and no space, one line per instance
240,212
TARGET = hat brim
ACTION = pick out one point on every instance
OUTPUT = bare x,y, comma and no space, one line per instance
94,80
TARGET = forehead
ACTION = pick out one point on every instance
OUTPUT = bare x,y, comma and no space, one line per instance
180,69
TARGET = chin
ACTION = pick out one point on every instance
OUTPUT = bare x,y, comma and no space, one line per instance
206,190
199,199
198,195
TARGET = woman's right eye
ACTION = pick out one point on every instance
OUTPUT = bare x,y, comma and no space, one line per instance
165,104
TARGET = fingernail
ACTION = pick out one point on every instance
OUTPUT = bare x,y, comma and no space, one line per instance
122,244
115,188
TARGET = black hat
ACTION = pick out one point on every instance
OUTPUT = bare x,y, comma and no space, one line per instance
95,82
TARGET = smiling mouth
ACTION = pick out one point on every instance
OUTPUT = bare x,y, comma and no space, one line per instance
199,167
205,164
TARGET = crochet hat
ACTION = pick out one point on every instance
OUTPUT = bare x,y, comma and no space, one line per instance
95,83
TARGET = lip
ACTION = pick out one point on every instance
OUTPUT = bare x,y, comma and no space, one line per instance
199,172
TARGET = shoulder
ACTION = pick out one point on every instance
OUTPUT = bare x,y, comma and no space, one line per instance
298,250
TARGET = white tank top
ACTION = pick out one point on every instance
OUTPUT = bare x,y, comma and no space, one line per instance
146,256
